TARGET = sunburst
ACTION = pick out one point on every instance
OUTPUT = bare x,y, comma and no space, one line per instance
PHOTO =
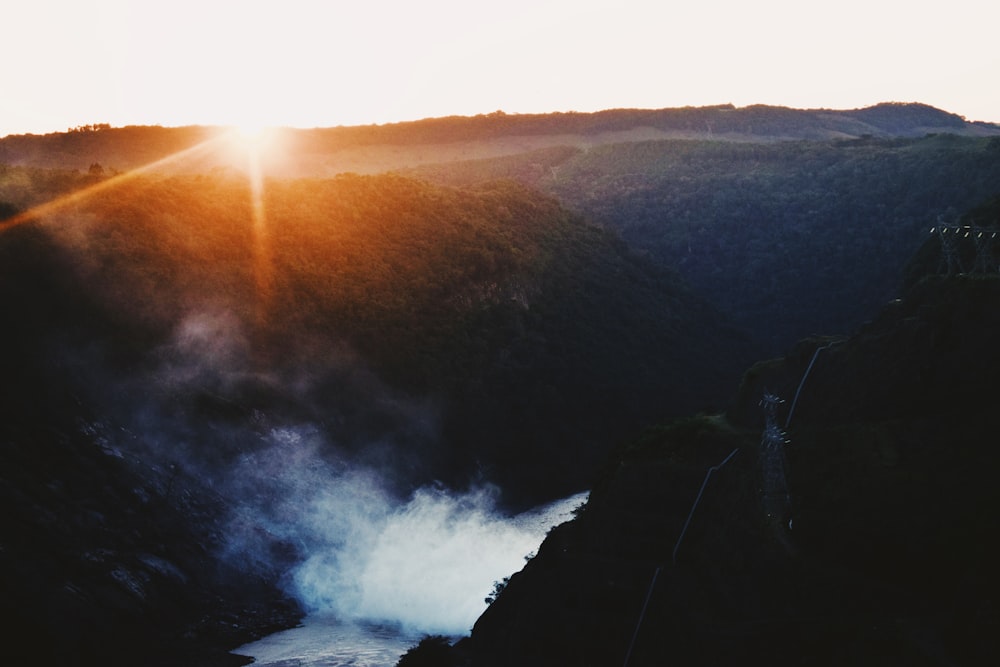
247,144
55,205
253,141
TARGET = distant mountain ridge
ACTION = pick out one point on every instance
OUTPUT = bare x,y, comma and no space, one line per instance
375,148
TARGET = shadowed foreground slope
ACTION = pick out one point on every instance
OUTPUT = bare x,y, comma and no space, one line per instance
882,552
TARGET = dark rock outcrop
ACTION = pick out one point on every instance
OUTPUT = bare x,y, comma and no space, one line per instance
888,557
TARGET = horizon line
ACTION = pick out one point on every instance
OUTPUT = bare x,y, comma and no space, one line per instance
100,126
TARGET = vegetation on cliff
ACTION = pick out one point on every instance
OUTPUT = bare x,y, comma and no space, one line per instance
885,554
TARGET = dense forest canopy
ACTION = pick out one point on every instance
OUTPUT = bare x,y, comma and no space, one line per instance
458,293
461,292
762,229
510,319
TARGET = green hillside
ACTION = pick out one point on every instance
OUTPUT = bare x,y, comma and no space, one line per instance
787,238
385,308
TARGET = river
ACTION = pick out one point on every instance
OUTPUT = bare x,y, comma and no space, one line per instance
325,640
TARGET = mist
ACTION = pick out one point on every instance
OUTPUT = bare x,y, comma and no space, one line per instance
340,524
423,562
326,473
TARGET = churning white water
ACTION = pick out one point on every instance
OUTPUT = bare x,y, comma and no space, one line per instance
426,569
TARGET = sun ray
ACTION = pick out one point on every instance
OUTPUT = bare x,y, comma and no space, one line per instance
76,196
263,266
253,144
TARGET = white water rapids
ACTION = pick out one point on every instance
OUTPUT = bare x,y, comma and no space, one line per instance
455,548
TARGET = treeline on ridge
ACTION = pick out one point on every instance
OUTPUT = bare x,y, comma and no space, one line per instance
124,148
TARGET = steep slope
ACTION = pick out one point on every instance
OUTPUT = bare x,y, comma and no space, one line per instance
111,559
866,538
465,329
107,557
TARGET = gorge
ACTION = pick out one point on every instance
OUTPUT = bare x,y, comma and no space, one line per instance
228,401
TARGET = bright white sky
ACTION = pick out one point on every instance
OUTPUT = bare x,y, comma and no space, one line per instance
322,63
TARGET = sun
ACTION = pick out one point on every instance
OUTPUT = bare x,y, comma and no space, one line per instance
253,148
251,137
250,132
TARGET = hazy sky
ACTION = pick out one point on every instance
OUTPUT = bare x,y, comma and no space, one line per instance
321,63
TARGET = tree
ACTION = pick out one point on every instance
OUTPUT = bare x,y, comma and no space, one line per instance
432,651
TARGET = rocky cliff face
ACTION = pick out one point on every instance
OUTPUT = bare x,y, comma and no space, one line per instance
883,556
105,560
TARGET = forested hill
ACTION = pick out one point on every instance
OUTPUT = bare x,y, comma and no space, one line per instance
376,148
473,329
758,208
788,238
